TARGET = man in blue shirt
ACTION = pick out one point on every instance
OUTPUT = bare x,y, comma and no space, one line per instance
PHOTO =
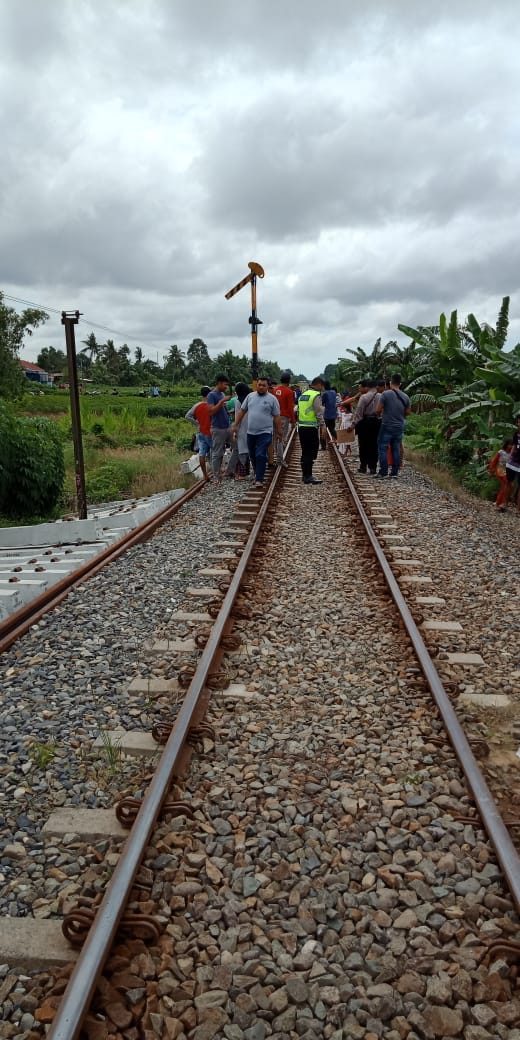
393,407
262,410
220,423
330,409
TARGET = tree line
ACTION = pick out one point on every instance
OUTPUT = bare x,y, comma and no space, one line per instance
104,363
458,369
107,364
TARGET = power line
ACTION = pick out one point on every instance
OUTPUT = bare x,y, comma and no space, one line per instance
86,319
30,303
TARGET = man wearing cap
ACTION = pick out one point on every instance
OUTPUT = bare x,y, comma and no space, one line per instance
200,417
310,419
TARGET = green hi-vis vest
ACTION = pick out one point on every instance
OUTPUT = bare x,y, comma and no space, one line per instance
306,413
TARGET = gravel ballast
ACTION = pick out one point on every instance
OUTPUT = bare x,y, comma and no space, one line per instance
324,887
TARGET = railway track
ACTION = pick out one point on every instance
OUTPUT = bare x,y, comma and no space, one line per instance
328,861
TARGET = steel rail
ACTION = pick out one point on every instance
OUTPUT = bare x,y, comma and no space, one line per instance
23,619
487,808
89,966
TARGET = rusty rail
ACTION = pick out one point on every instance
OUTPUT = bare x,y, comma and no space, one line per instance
22,620
78,995
487,808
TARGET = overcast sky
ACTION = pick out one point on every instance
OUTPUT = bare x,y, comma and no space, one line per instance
366,154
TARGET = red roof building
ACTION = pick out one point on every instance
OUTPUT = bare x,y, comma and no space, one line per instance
35,373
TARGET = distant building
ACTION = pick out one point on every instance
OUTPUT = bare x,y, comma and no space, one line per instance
35,373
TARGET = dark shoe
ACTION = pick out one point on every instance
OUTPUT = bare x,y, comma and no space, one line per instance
362,469
373,472
380,476
312,480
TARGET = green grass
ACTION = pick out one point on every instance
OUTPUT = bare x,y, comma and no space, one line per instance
132,446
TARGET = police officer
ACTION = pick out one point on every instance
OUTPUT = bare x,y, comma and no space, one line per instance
310,418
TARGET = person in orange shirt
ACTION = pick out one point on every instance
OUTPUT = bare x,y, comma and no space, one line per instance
199,415
497,468
285,397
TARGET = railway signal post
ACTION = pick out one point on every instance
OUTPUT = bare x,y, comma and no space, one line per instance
69,319
255,271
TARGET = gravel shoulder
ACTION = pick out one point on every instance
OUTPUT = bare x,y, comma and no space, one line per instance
324,887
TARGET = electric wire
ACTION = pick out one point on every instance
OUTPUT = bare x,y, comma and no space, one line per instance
94,324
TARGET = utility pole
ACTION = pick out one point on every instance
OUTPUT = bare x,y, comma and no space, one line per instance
254,321
69,319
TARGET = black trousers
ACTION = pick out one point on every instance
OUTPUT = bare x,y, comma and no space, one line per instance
367,433
331,425
310,443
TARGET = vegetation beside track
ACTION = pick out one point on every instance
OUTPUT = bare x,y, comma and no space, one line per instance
464,387
451,463
132,446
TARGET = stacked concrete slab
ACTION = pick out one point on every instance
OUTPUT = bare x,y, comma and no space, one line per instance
36,557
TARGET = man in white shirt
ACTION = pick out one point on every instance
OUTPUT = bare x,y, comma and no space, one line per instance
262,410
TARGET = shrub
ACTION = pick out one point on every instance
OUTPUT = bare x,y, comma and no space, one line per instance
32,469
477,480
110,481
184,443
6,440
459,452
144,442
169,411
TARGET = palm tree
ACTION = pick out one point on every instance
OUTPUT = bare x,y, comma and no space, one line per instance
91,349
174,364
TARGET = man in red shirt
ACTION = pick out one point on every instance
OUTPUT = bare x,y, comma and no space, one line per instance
285,397
200,416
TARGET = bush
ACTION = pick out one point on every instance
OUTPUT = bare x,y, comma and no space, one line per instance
144,442
110,481
477,480
424,431
170,411
32,470
459,452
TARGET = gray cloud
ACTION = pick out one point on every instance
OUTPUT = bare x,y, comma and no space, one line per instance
366,155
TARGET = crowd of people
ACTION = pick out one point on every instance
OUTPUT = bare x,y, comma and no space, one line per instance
254,425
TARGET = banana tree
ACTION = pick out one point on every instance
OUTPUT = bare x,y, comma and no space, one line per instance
366,365
443,362
485,340
486,408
